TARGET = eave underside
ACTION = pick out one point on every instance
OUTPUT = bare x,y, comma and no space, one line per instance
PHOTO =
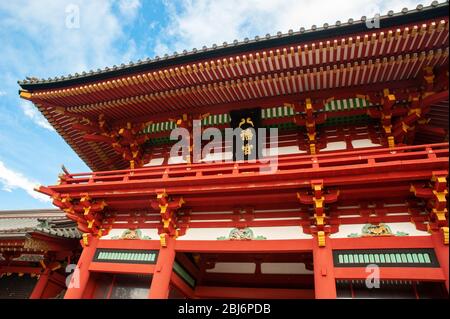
359,64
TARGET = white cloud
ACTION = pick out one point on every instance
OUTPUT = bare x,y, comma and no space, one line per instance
194,23
2,93
10,180
32,113
129,8
51,47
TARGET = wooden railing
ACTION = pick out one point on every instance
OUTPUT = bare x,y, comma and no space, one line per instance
434,156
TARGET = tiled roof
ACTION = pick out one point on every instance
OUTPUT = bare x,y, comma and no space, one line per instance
316,32
51,222
7,224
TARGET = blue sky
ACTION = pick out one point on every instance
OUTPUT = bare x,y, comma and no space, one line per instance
35,41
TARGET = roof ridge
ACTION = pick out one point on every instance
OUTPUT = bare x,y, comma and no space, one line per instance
236,43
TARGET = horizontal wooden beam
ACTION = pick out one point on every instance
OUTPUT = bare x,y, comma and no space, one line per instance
253,246
122,268
425,274
252,293
382,242
260,280
129,244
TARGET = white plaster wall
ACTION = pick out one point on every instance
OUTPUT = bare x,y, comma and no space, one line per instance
345,230
218,157
284,232
176,160
152,233
233,268
363,143
410,228
335,146
205,233
266,268
285,268
284,150
155,162
271,233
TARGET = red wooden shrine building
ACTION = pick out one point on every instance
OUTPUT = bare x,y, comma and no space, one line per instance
35,248
361,178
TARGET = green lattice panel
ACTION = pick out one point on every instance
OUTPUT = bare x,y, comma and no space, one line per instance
126,256
386,258
343,105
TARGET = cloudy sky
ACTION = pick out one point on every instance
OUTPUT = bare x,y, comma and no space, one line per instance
41,38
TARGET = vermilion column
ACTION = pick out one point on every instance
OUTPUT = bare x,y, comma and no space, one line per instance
159,288
324,281
40,285
441,251
77,290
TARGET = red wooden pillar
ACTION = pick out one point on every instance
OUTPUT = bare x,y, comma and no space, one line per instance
159,288
441,251
82,272
40,285
324,281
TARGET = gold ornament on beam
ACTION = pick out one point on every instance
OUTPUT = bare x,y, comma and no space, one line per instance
321,238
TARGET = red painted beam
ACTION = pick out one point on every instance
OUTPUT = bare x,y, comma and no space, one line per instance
252,293
41,285
406,273
121,268
254,246
382,242
304,221
129,244
261,280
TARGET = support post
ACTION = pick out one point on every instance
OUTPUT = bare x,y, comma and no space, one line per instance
159,288
441,250
81,274
40,285
324,280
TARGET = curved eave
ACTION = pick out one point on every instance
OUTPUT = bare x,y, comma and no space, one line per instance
387,21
